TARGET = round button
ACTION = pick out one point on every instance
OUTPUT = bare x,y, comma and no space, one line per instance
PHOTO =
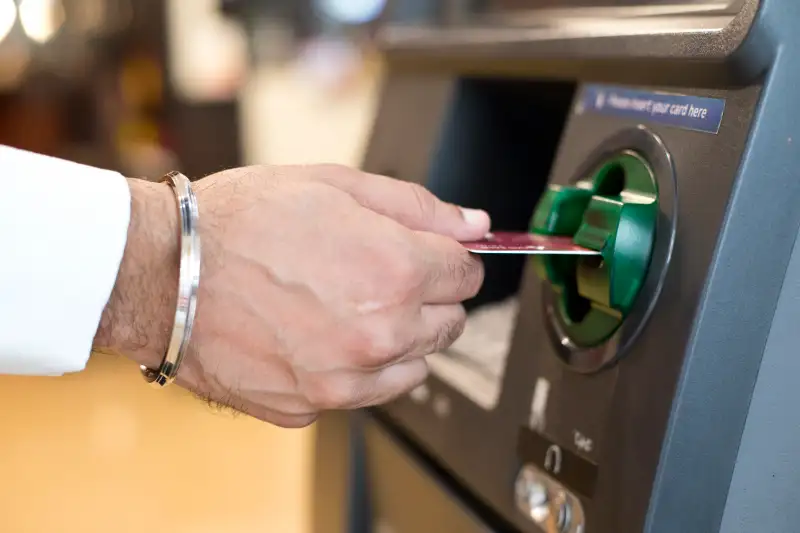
549,511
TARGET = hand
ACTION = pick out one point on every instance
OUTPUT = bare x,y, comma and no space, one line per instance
321,287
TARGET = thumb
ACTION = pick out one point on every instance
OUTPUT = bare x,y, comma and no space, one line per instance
417,208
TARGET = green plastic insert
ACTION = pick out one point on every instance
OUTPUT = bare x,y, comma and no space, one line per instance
614,211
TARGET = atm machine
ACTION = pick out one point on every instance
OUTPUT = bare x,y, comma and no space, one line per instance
653,389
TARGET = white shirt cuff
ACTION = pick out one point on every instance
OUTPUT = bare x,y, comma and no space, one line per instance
63,229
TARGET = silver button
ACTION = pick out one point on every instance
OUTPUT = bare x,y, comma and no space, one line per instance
546,507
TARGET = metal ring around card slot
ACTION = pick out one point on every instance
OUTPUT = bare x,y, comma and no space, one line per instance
592,359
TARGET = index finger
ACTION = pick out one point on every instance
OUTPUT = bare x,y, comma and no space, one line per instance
413,205
453,274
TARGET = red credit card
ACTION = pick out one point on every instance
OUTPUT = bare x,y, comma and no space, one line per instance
505,242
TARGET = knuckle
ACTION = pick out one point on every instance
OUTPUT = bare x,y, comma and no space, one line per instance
333,397
383,344
424,200
402,273
335,173
476,275
456,328
327,392
451,330
358,347
332,169
468,272
415,374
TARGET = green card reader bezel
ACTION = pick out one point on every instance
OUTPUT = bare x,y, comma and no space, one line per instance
613,210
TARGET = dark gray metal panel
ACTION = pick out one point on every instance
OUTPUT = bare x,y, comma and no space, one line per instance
691,36
703,47
633,406
730,331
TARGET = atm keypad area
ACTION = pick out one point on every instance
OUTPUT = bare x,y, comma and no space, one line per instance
608,394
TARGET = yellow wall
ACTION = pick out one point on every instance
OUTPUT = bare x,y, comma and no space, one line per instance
100,451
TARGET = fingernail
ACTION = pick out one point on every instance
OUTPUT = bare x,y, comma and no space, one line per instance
474,217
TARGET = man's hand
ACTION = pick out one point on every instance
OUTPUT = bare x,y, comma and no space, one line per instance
321,287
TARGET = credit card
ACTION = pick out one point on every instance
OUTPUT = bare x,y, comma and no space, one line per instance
507,242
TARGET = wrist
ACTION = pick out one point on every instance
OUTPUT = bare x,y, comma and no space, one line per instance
138,318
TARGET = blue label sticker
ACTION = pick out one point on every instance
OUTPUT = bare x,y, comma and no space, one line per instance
689,112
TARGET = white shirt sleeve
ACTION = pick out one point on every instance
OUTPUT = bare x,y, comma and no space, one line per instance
63,229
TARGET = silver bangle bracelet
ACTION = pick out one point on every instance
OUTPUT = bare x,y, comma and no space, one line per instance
188,283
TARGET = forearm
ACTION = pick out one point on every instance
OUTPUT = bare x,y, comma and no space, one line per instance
138,318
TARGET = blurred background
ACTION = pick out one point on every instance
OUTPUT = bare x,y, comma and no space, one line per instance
144,87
